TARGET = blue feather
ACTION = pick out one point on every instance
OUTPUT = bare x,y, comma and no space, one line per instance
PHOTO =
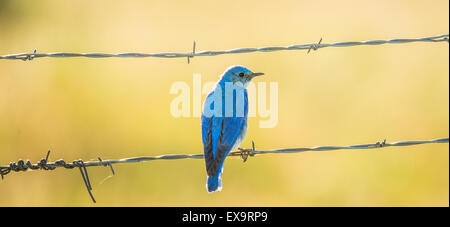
221,131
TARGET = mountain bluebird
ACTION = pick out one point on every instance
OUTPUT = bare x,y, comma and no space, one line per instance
224,121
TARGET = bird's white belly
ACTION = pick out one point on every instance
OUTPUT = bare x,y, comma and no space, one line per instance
240,137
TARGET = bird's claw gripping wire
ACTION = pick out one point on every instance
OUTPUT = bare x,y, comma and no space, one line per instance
244,153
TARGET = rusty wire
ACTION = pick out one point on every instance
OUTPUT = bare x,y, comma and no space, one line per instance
43,164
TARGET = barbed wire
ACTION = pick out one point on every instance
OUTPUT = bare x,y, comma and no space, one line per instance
188,55
43,164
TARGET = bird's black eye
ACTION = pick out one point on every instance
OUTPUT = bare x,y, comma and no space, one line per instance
241,74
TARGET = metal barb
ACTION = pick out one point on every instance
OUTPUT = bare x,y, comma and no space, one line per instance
193,53
46,158
30,56
382,144
43,162
85,176
106,164
315,46
4,171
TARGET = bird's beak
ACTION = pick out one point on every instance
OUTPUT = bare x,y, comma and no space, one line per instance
256,74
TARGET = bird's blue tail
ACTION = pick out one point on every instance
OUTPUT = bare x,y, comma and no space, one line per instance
214,183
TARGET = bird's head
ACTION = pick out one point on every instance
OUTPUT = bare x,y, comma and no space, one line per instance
239,75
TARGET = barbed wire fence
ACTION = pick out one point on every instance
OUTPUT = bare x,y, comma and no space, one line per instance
244,153
189,55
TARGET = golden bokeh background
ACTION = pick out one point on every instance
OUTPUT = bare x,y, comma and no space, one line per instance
119,107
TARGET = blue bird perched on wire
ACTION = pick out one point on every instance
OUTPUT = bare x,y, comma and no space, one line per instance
224,121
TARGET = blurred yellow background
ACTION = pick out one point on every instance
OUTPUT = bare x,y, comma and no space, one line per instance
119,107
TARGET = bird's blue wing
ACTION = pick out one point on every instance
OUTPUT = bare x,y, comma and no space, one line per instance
219,135
207,136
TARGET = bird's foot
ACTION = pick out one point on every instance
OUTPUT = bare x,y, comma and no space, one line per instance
247,152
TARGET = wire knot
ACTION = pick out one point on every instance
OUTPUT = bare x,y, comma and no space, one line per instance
43,163
20,166
63,163
30,56
315,46
382,144
105,164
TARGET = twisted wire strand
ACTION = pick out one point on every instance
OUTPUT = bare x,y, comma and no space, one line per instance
244,153
313,46
43,164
